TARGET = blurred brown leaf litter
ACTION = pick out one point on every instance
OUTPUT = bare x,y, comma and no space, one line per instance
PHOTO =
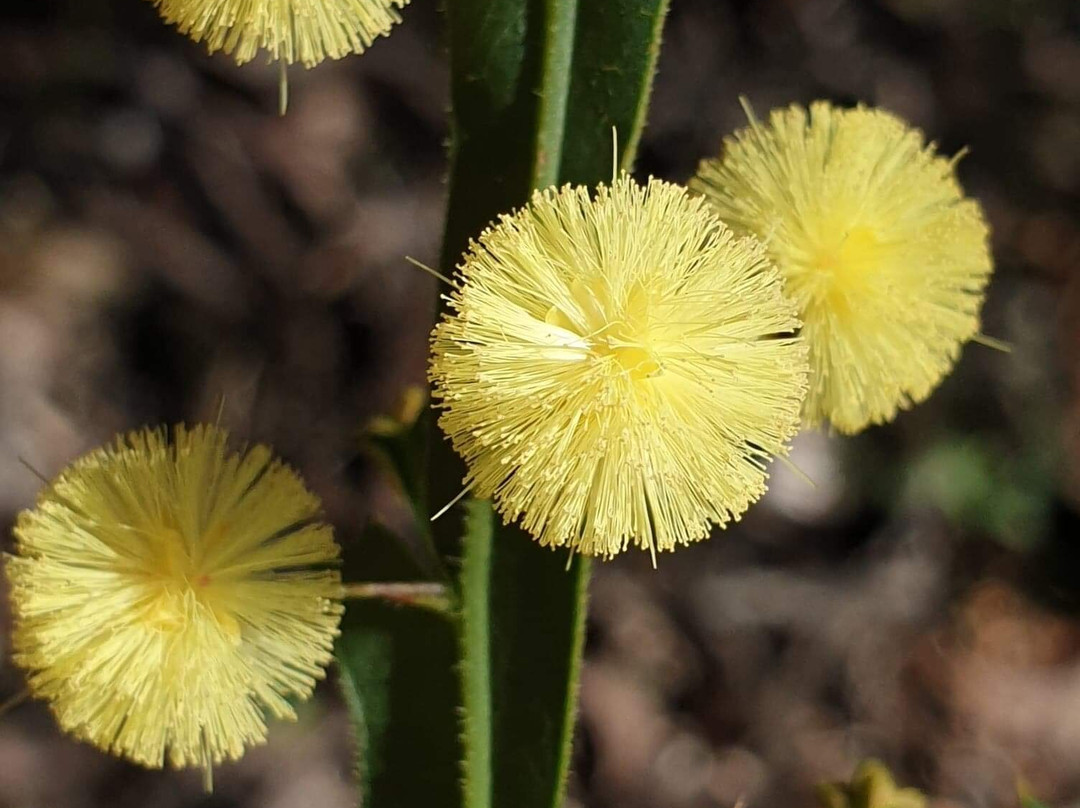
167,242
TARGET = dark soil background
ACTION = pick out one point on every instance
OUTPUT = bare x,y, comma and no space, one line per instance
167,241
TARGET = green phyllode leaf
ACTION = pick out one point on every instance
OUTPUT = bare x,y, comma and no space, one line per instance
537,87
617,46
396,671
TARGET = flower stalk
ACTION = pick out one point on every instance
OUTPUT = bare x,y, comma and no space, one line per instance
424,594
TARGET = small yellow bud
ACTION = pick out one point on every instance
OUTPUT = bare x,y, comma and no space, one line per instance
872,786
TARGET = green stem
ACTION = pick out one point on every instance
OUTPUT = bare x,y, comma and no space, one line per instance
474,631
423,594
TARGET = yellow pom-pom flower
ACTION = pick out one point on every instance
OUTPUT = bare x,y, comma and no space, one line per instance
885,257
168,595
305,31
617,368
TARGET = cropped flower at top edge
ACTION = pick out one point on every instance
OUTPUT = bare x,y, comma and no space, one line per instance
884,255
305,31
169,594
616,368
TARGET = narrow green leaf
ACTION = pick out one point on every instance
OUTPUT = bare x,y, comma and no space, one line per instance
538,608
396,671
617,45
509,63
510,77
523,120
523,627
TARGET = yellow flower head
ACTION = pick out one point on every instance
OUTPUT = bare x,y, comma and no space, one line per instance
167,595
884,256
305,31
617,368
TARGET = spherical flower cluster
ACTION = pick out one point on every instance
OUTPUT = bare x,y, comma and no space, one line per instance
617,368
885,257
305,31
169,594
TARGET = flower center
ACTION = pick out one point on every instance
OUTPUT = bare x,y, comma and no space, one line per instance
179,592
837,268
614,333
848,258
629,350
